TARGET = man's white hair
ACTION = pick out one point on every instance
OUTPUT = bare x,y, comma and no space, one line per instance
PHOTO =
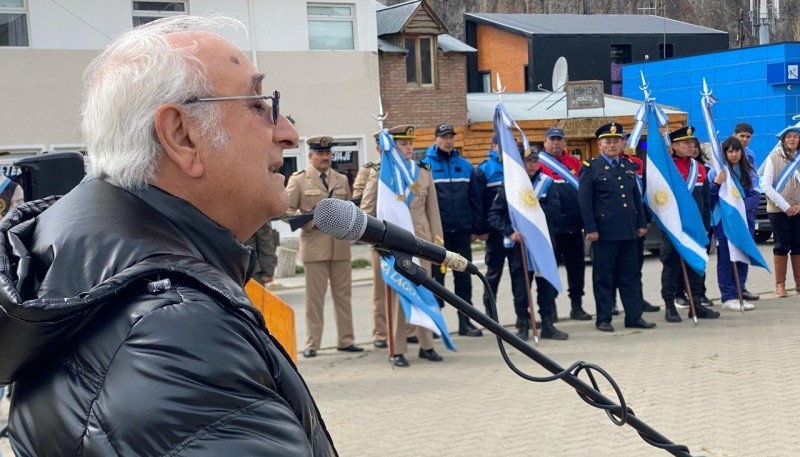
125,85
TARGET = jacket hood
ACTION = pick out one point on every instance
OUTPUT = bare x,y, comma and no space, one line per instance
62,259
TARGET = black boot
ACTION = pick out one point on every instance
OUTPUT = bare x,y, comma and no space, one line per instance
555,315
671,314
702,311
550,332
578,313
465,327
523,327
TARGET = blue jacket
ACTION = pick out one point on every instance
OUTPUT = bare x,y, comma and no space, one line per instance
457,191
490,179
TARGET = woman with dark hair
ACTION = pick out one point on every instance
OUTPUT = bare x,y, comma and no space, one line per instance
782,187
733,152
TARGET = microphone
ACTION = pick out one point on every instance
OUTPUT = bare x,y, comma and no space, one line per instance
343,220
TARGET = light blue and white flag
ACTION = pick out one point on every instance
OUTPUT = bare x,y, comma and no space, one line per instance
671,203
396,184
527,216
730,211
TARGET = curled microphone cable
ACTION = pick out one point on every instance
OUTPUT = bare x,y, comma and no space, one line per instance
618,414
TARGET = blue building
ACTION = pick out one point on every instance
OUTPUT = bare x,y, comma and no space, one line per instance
759,85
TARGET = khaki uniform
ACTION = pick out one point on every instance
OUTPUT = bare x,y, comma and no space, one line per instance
425,214
324,258
360,183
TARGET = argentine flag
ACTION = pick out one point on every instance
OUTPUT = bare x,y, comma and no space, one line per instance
730,210
395,193
670,201
527,216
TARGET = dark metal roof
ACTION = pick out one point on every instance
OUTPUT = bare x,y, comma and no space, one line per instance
589,24
448,43
445,42
385,46
391,19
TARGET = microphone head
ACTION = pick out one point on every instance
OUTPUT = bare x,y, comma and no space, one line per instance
340,219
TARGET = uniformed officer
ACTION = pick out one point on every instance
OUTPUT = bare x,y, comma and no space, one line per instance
499,219
325,259
363,173
613,216
683,147
424,210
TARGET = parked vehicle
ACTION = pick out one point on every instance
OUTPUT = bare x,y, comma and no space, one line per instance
652,242
763,225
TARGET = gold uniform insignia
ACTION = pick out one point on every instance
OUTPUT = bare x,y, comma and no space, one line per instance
613,128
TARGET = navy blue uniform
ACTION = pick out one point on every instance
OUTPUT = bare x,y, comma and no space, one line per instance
500,221
490,179
611,205
462,214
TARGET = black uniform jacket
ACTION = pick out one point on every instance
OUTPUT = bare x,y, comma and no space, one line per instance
106,363
610,200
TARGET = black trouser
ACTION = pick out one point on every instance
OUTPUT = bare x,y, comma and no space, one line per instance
640,254
569,249
458,242
672,273
496,255
786,232
616,266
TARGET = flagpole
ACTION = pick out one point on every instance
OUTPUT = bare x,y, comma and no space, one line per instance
688,290
738,286
528,292
380,117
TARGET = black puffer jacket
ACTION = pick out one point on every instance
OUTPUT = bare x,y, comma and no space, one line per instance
104,367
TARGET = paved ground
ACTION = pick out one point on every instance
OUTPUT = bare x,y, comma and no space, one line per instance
723,388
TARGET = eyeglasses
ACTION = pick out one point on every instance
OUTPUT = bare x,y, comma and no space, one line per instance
275,97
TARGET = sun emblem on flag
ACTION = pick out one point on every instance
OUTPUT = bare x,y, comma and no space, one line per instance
528,199
659,197
735,193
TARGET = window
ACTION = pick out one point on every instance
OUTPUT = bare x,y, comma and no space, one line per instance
331,27
620,54
420,60
669,53
486,81
10,154
13,23
148,11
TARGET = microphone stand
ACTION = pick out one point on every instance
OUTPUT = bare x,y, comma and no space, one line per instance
618,414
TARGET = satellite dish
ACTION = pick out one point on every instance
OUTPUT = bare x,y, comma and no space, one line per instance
560,74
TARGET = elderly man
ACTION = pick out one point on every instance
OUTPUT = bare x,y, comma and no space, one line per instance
325,259
127,327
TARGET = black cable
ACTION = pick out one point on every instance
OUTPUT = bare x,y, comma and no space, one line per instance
618,414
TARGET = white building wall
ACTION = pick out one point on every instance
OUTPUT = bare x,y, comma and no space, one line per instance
278,25
330,92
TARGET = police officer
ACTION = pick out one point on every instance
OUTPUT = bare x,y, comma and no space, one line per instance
489,175
460,209
613,216
568,225
684,146
499,219
325,259
424,209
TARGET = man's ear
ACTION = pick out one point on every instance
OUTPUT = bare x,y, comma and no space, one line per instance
176,137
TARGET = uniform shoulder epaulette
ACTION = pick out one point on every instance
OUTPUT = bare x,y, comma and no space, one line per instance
300,172
588,162
424,165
